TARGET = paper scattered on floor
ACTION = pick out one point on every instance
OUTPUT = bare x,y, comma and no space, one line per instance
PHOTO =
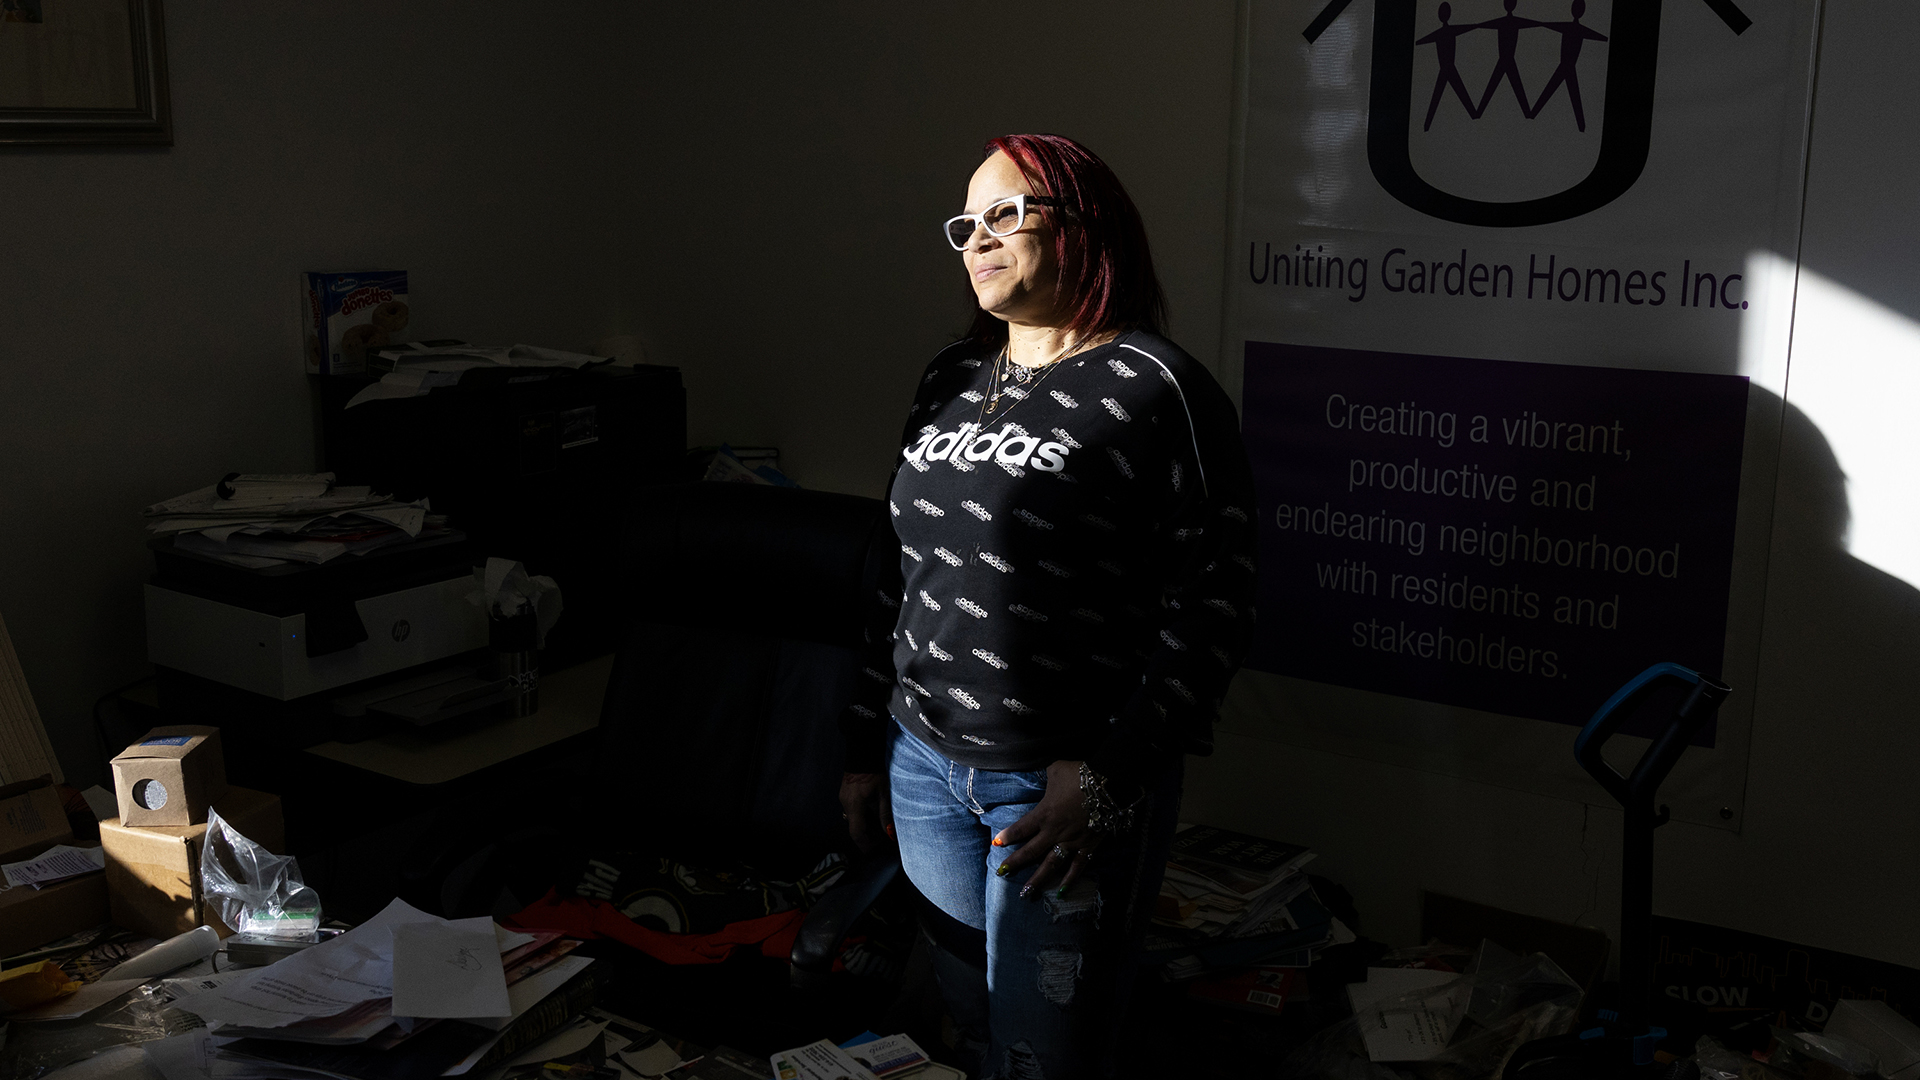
653,1059
521,996
1414,1029
448,970
888,1055
325,980
818,1061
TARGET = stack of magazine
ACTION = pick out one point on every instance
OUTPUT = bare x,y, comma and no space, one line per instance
1230,900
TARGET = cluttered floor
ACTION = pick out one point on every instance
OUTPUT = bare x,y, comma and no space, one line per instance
403,993
1253,967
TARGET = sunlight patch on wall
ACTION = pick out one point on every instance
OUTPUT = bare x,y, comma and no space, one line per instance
1855,372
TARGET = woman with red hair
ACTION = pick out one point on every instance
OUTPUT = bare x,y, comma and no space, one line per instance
1074,512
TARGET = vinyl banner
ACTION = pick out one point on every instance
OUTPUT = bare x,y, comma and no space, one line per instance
1509,537
1481,251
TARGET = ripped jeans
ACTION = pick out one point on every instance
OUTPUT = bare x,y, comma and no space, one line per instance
1053,993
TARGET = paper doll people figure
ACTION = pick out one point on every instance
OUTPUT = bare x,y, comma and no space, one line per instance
1572,37
1445,42
1508,27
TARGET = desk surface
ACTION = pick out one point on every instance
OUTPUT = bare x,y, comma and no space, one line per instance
569,704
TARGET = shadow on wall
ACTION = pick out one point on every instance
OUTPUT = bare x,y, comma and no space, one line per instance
1835,739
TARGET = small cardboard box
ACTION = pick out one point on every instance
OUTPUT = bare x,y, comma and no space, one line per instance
31,819
170,776
30,917
153,874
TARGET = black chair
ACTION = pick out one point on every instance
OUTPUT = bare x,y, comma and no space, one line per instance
745,608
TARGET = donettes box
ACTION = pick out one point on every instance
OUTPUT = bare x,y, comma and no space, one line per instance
344,316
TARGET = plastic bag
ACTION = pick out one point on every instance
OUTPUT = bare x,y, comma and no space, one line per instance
257,892
34,1050
1501,1003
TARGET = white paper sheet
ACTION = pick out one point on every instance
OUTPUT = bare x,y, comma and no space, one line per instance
56,863
1415,1030
655,1059
522,996
449,970
180,1057
819,1061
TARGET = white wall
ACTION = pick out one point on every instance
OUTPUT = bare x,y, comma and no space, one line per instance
755,192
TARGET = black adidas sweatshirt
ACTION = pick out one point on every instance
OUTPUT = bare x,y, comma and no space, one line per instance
1076,566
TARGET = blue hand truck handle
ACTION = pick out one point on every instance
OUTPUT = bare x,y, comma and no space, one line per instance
1700,704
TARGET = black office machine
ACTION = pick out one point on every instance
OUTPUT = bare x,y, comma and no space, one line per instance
538,465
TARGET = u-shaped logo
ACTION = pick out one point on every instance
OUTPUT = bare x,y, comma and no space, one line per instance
1633,48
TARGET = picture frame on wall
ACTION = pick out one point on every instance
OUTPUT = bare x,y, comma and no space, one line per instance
83,72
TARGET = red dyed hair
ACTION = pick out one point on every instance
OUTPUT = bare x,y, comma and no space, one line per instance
1106,276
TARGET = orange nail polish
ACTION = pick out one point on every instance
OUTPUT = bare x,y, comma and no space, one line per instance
997,842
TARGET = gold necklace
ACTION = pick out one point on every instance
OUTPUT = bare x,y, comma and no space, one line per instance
1004,369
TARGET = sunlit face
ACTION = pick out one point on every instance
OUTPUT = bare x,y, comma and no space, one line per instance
1013,276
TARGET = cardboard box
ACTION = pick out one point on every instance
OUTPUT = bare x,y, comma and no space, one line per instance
345,317
31,819
170,776
30,917
153,874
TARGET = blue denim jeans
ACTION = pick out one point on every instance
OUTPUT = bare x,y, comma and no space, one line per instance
1051,998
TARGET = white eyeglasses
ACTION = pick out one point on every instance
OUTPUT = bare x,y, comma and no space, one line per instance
1001,219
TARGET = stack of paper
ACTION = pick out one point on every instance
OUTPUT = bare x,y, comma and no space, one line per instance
1230,900
259,521
403,995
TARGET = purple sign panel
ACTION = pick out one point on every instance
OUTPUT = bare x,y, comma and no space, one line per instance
1515,538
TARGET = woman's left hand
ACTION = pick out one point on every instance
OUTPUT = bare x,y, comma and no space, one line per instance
1056,826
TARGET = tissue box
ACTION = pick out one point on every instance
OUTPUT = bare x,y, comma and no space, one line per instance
344,317
31,820
153,874
170,776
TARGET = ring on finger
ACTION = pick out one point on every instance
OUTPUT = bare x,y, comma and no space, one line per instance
1060,852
